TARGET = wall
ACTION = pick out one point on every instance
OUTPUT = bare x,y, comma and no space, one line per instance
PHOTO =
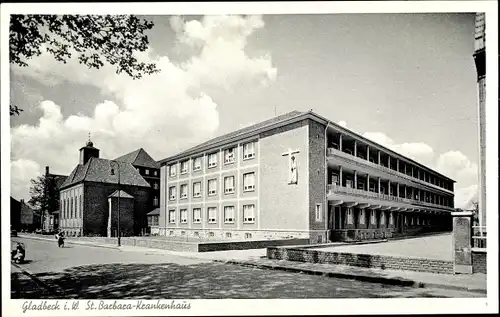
283,205
361,260
317,182
479,261
70,218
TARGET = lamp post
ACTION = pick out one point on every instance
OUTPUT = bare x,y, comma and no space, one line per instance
118,214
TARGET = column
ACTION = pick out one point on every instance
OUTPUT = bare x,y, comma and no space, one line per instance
389,187
355,148
397,164
368,152
340,177
367,182
340,142
378,157
355,179
406,191
406,171
109,217
388,161
397,189
378,184
462,246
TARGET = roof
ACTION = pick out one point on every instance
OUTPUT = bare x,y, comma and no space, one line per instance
59,179
139,157
123,194
99,170
239,132
154,212
279,121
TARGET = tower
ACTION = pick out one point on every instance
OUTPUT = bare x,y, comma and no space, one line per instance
87,152
480,61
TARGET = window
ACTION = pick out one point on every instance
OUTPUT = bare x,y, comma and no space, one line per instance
228,235
349,216
248,150
212,160
72,208
373,220
171,216
155,185
317,212
361,216
197,189
184,167
249,181
155,201
197,164
146,171
229,156
172,170
418,221
249,213
81,206
248,235
229,214
196,215
229,184
335,179
382,218
212,214
171,193
184,216
361,185
349,183
391,218
156,173
184,191
211,234
212,187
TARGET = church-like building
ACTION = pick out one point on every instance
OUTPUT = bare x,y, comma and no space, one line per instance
299,175
90,195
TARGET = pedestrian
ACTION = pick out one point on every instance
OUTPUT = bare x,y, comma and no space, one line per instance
60,239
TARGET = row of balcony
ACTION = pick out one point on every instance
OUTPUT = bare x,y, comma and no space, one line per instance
334,188
336,152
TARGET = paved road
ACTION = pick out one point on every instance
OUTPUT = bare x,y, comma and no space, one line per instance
87,272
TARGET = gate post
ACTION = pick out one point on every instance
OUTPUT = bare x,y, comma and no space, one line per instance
462,242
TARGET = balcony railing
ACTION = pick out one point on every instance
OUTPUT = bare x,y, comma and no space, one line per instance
334,151
334,188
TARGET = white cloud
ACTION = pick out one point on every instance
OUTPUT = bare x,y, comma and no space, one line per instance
464,196
21,172
342,124
161,113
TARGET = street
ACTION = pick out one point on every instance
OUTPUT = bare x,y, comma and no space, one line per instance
86,272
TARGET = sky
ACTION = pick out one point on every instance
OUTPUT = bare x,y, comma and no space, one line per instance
407,81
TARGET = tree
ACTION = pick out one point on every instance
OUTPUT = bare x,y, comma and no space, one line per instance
44,195
96,40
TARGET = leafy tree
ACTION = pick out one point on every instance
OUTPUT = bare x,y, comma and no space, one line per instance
44,195
96,40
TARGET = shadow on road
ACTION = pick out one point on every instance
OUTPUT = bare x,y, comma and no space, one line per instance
207,281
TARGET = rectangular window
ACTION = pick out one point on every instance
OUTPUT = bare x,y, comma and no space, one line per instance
172,170
362,216
373,220
229,156
184,191
146,171
155,201
391,219
197,189
349,183
229,184
172,193
156,173
248,150
196,215
212,214
155,185
171,216
249,213
249,181
335,179
212,160
382,218
229,214
184,216
212,187
317,212
184,167
197,164
350,216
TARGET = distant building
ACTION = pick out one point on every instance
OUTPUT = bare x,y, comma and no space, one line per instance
300,175
22,216
50,221
89,197
480,61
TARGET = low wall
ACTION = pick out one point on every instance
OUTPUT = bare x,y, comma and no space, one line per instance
361,260
479,261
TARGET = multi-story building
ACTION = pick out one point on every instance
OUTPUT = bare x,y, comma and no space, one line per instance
480,61
96,190
299,175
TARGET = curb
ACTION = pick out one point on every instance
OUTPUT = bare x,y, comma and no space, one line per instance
364,278
54,289
73,242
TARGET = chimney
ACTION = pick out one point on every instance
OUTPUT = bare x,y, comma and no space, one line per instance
22,201
46,170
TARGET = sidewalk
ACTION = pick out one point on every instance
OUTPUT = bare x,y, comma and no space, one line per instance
256,258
